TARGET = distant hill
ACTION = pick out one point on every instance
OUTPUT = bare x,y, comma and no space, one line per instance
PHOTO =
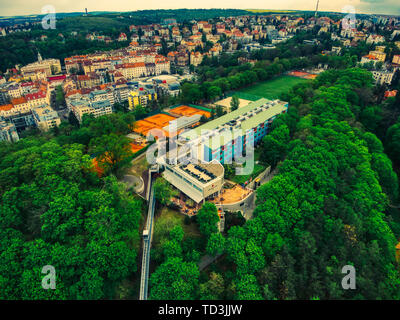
271,11
68,21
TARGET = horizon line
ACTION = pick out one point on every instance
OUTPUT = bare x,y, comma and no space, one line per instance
271,11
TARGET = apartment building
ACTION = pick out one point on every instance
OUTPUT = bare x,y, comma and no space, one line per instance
196,58
45,118
381,56
80,107
141,96
88,80
49,66
20,105
382,77
162,66
227,137
14,90
8,132
369,58
36,99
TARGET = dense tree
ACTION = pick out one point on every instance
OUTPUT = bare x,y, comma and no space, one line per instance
112,152
175,279
213,289
215,244
307,224
87,228
207,219
234,103
163,191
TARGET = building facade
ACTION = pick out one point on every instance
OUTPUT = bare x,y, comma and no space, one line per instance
228,137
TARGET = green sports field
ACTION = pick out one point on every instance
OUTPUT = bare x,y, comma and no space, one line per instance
271,89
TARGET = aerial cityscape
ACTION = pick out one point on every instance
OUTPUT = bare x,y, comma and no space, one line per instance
187,153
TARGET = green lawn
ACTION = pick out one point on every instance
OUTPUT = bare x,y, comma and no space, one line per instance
168,219
271,89
258,168
138,166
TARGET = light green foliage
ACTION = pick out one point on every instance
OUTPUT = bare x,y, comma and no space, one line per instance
215,244
163,191
207,218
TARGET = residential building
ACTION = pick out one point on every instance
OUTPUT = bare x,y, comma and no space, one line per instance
49,66
381,56
382,77
81,107
141,97
8,132
226,137
396,59
45,118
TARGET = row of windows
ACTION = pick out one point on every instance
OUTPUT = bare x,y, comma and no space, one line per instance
187,181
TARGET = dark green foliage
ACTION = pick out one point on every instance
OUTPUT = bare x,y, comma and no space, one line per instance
175,279
207,218
55,211
325,209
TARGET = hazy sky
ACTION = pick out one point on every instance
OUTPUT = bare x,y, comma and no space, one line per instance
19,7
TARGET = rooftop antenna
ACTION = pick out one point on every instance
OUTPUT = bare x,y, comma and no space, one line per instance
316,9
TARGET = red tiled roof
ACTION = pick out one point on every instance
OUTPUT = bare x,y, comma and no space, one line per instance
6,107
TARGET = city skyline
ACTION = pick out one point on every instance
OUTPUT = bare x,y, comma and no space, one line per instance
387,7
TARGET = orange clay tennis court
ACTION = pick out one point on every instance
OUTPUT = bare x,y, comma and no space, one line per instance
136,147
157,121
301,74
189,111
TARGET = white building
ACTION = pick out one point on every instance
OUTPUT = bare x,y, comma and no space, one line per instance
382,77
49,66
84,106
45,118
8,131
197,181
